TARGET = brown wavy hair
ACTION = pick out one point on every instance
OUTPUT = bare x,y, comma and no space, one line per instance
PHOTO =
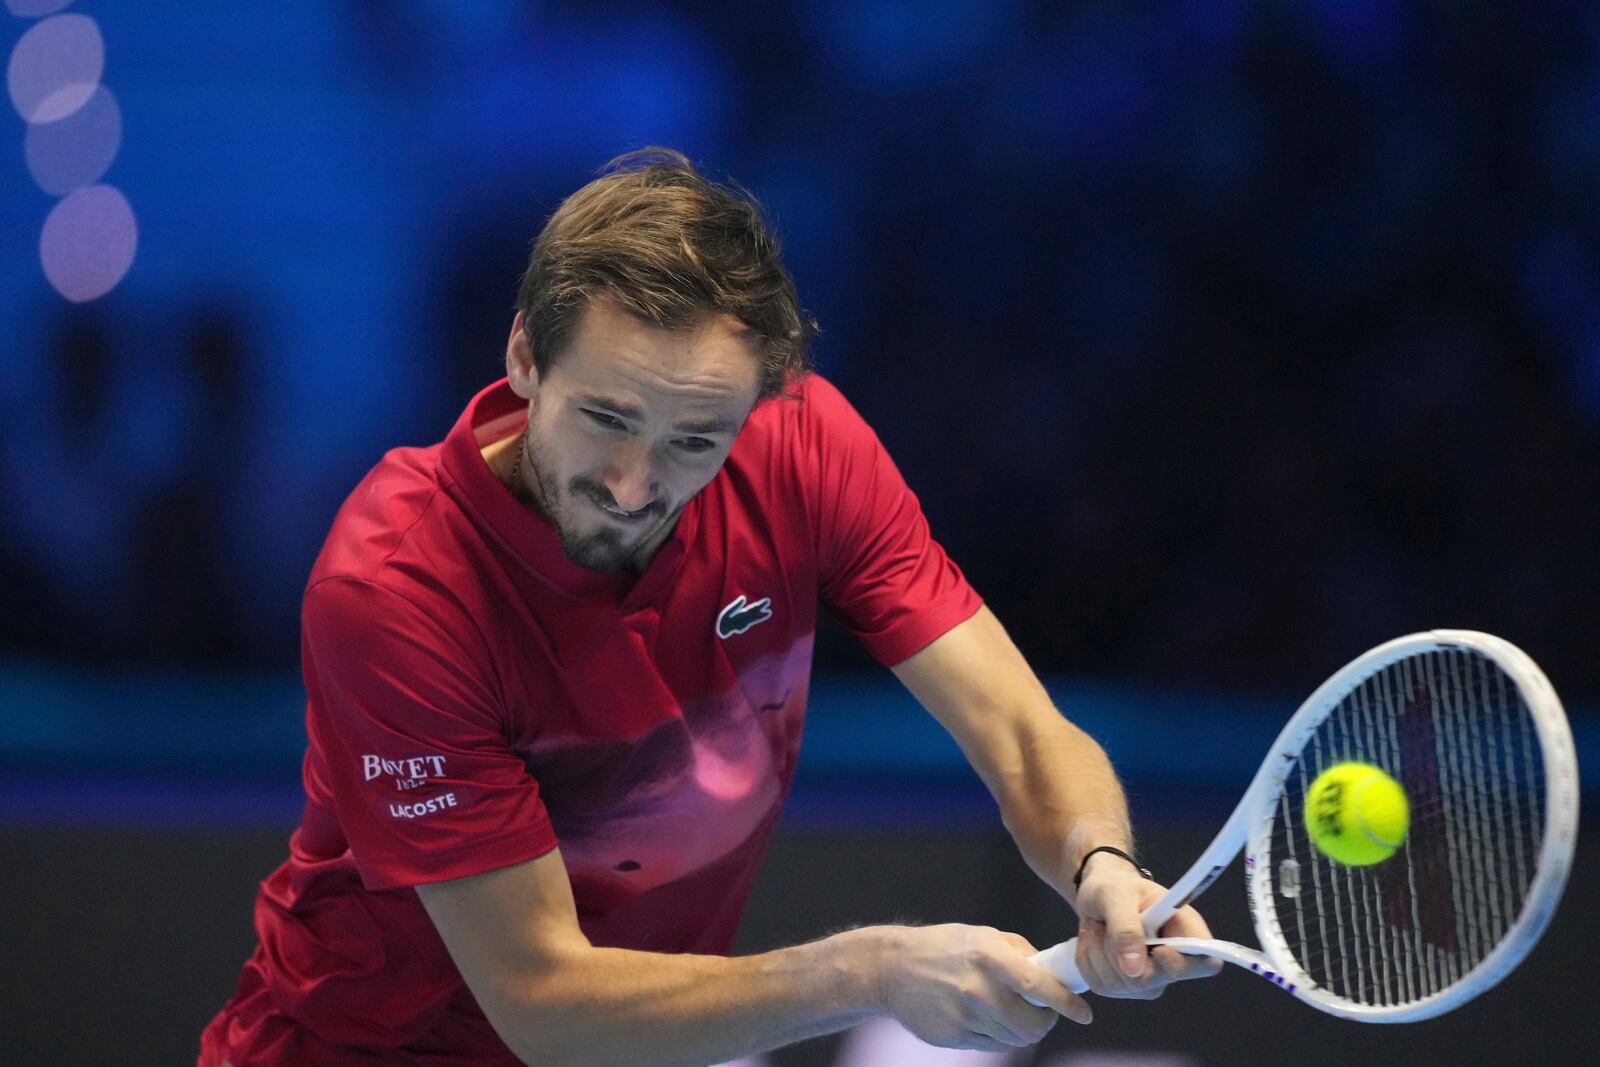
670,245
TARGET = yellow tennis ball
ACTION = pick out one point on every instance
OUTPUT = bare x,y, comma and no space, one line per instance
1356,814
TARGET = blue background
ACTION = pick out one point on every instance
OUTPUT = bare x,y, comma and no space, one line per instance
1221,340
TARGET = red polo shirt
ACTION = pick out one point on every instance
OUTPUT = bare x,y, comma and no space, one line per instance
476,699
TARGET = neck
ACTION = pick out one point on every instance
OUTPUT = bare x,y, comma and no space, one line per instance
526,487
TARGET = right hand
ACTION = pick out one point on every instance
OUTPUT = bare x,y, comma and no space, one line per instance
963,986
1112,956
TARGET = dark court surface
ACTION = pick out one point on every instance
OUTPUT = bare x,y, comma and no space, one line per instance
119,945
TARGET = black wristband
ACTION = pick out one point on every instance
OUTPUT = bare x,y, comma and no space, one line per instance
1077,879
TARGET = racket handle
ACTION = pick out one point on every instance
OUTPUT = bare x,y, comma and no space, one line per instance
1062,961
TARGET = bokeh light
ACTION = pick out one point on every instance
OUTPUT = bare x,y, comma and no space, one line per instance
75,151
55,68
88,243
32,9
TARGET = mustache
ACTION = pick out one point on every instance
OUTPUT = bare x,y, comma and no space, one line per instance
602,496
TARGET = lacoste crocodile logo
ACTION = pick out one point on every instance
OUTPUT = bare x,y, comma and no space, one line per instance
739,616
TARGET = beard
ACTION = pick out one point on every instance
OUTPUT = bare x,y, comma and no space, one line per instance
596,547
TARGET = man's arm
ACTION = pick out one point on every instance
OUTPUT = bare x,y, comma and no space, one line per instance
1058,797
556,999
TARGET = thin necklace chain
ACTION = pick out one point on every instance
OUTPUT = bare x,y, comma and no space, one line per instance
519,490
516,464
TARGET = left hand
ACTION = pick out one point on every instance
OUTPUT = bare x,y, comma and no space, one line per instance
1111,942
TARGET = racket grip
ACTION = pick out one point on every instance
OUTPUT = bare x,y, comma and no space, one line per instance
1062,961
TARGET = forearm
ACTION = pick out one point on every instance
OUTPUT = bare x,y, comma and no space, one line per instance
603,1006
557,1000
1058,797
1057,792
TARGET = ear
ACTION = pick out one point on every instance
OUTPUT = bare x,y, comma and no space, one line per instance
521,372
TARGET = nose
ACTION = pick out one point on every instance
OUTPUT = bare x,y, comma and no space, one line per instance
630,478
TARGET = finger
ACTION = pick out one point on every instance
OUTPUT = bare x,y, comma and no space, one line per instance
1091,959
976,1041
1149,987
1096,965
1175,966
1125,934
1026,1019
983,1021
1106,980
1045,989
1185,922
1041,1000
1061,1001
1040,987
1018,942
1014,1019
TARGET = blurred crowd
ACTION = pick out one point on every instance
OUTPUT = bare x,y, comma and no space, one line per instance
1221,340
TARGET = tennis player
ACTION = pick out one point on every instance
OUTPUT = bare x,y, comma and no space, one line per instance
557,669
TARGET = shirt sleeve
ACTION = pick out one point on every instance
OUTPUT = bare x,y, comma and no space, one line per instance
881,570
424,783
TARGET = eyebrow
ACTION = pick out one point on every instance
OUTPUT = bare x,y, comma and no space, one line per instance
628,411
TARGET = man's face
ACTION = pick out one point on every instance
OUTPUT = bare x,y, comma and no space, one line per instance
628,423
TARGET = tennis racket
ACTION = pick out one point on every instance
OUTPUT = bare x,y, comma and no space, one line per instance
1472,730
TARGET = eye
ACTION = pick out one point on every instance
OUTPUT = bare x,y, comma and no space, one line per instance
696,444
610,421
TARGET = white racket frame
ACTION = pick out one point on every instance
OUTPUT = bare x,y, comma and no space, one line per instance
1250,828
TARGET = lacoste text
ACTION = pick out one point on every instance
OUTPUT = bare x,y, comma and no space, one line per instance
422,807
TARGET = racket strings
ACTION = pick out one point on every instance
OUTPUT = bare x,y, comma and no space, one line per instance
1454,731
